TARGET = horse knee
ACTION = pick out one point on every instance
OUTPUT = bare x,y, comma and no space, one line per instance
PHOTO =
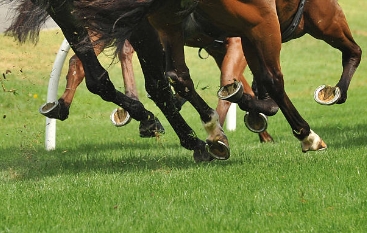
183,86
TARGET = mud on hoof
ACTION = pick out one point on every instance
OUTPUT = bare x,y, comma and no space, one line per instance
327,95
312,142
120,117
150,128
57,110
231,92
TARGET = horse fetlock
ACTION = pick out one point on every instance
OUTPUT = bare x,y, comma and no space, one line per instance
252,104
217,142
312,142
151,128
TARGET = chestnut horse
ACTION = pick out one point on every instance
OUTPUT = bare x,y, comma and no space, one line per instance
334,30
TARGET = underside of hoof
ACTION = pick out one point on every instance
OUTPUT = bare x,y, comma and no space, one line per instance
231,92
256,122
120,117
56,110
313,142
327,95
150,128
218,149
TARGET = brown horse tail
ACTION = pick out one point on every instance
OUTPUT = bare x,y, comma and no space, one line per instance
27,22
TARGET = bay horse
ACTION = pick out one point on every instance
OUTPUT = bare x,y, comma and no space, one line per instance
333,29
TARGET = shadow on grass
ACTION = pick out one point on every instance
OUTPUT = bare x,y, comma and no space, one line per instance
344,136
108,158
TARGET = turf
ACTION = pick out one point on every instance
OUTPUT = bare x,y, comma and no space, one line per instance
106,179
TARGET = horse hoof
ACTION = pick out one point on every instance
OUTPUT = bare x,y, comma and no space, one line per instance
218,150
265,137
312,142
256,122
327,95
202,156
120,117
150,128
54,110
231,92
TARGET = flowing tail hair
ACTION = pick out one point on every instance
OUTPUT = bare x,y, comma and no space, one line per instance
27,21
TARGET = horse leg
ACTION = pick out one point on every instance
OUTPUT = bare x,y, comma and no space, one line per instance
126,62
151,56
60,109
120,117
263,58
97,79
232,64
262,54
334,30
171,36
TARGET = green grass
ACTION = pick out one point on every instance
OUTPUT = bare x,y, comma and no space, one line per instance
106,179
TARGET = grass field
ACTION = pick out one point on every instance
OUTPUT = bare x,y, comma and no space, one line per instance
106,179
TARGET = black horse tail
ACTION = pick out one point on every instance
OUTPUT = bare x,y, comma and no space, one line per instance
27,21
112,21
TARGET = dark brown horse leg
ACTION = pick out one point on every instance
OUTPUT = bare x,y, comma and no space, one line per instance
151,56
120,117
97,79
178,75
334,30
74,77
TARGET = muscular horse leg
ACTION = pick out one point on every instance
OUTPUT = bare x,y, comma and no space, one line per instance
74,77
334,30
97,79
171,36
232,65
151,56
263,59
149,127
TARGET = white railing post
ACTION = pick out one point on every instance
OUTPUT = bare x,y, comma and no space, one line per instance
50,134
231,117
